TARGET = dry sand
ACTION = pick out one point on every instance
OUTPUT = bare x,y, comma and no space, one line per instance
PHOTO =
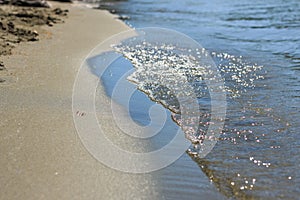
41,154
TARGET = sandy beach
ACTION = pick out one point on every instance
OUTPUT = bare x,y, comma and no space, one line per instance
42,156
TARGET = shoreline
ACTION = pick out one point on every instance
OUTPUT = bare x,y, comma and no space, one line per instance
24,24
42,155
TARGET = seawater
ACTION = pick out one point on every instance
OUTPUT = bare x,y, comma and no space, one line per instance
258,154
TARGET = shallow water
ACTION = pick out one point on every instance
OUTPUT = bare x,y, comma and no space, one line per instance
258,154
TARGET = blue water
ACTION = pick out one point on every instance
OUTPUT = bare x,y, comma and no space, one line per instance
258,156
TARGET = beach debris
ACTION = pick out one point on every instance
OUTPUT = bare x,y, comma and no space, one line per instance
80,114
67,1
2,66
19,24
123,17
31,3
61,12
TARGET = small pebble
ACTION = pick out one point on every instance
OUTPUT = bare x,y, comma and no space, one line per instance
2,66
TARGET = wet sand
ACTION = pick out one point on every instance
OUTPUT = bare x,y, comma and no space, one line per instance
42,156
